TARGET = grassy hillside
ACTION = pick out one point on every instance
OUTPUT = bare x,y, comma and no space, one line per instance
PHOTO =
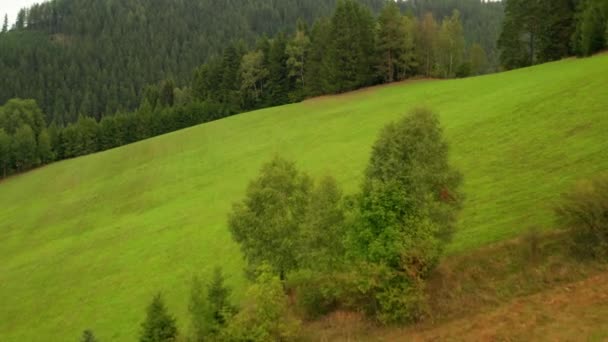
85,243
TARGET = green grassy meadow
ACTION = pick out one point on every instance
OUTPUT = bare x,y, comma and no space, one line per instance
85,243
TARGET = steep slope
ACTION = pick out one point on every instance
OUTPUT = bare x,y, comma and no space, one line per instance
85,243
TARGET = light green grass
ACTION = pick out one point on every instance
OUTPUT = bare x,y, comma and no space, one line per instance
85,243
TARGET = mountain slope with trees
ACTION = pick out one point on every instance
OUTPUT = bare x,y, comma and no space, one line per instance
87,242
94,58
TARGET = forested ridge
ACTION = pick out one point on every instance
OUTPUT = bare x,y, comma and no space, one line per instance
116,72
94,57
132,71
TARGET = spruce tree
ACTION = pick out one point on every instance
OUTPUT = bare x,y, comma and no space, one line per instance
88,336
390,41
159,325
5,24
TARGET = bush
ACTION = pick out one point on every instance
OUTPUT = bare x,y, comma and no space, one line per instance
584,211
265,316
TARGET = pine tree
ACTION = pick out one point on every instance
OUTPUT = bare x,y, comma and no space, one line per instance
317,69
352,43
391,35
218,295
88,336
5,24
159,325
279,84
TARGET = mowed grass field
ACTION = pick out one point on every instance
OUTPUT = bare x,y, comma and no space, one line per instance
85,243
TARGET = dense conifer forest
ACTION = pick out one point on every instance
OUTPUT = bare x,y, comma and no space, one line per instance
101,74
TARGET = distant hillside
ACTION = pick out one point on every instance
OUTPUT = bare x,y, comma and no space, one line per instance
94,57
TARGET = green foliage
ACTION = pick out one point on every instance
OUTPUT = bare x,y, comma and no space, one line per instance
265,316
323,228
267,223
450,45
5,152
58,46
253,74
591,28
478,60
536,31
200,314
407,212
210,308
218,296
297,50
391,40
88,336
159,325
23,148
45,150
350,55
426,41
584,211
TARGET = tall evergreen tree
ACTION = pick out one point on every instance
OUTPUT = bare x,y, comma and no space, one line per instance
317,69
88,336
5,24
159,325
591,27
351,50
390,40
279,84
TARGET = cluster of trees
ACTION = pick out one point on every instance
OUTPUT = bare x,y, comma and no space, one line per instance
94,58
306,243
91,57
349,50
27,142
545,30
369,252
263,316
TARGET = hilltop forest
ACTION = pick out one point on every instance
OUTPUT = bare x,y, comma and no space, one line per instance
101,74
93,58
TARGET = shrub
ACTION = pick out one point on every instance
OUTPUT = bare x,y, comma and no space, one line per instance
584,211
265,316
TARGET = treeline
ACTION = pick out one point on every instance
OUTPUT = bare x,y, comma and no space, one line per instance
26,142
546,30
94,58
349,50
